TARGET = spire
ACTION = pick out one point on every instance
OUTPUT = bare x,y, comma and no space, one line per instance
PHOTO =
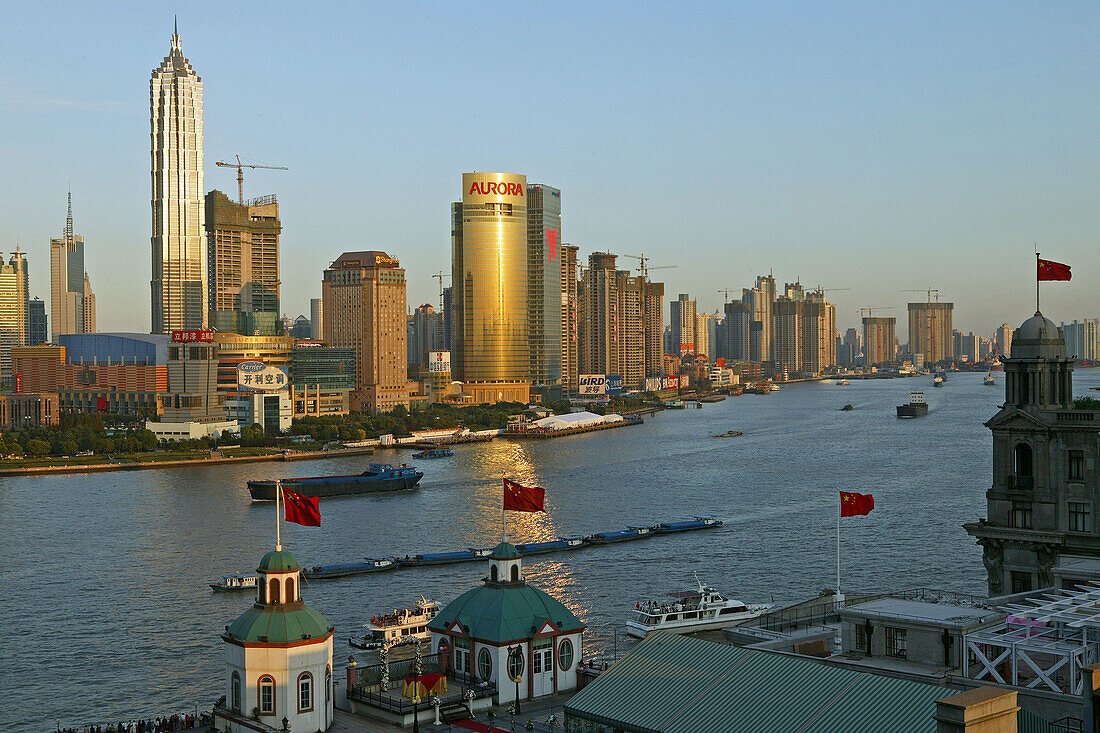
175,34
69,220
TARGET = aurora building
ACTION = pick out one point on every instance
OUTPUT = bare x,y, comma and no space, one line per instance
490,350
178,284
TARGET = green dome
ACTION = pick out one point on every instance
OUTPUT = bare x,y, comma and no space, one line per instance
502,613
505,551
277,561
279,624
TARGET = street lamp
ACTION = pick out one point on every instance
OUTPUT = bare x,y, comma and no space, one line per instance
516,652
286,725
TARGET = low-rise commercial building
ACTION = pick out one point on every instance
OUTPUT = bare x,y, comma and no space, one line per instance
194,406
270,410
322,379
28,410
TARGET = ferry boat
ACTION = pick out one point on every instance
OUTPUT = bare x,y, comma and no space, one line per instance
773,387
917,406
989,381
695,610
377,477
434,453
541,548
342,570
401,626
241,581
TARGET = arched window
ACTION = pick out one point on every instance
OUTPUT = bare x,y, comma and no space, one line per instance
515,663
1022,459
235,692
328,686
262,597
485,664
515,573
493,573
305,692
565,654
273,591
290,598
267,695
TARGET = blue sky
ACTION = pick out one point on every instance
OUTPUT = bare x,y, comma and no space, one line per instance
871,146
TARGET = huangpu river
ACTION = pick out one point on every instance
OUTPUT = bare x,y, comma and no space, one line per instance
109,615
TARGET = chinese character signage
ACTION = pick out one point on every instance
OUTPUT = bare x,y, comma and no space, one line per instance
255,376
439,361
183,337
593,384
614,384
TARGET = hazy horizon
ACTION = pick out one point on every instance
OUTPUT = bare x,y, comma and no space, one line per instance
871,147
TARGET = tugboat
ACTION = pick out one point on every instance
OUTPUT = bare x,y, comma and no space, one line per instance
401,626
917,406
989,381
847,408
378,477
241,581
695,610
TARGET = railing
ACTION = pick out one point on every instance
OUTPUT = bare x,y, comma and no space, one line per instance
1077,416
1020,483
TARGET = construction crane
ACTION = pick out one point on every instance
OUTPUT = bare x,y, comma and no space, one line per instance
822,290
929,290
726,293
869,309
439,276
240,173
642,259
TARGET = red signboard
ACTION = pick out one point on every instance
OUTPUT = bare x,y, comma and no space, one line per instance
18,382
492,187
101,404
720,362
189,336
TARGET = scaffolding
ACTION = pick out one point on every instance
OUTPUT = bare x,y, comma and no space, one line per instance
1043,645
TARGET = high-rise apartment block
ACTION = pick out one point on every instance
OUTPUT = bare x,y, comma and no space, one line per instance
631,337
1081,339
789,315
243,264
490,352
761,302
178,284
14,287
570,318
425,334
544,290
654,328
364,305
1002,340
818,334
72,304
931,332
733,334
880,344
681,314
599,353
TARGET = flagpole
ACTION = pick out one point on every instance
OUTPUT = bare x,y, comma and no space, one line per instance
503,514
1036,281
838,509
278,524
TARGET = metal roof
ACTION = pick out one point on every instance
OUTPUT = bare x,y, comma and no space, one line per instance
676,684
502,613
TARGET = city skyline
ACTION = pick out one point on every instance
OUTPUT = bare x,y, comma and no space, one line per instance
859,176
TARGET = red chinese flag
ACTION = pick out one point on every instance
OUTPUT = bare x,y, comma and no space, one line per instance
304,510
854,505
1051,270
518,498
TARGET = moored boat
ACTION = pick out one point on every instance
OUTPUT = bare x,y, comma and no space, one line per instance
989,381
401,626
696,610
440,558
623,535
434,453
688,525
377,477
342,570
843,383
240,581
917,406
541,548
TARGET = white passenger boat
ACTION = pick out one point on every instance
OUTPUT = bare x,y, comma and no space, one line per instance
242,581
695,610
401,626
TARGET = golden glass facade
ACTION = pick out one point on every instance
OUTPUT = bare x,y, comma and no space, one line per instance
489,277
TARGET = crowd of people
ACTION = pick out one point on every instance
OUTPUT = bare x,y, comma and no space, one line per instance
161,724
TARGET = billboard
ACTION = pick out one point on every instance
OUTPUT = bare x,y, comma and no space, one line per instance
190,336
614,384
720,362
255,376
652,384
673,382
593,384
439,361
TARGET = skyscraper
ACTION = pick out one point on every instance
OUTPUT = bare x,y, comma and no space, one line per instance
14,287
931,332
179,276
364,305
544,290
630,290
879,340
570,318
761,302
425,334
789,314
37,328
1081,339
1002,337
654,329
818,333
243,264
681,316
734,332
599,353
316,319
490,353
70,291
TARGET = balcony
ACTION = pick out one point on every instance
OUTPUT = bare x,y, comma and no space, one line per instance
1020,483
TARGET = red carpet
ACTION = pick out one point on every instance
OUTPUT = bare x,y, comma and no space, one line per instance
475,726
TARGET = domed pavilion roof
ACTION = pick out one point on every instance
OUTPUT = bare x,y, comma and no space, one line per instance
505,551
278,561
279,624
499,613
1038,338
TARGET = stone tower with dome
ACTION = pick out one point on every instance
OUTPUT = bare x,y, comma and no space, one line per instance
278,672
1041,528
505,630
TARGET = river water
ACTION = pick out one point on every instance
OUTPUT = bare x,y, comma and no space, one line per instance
105,581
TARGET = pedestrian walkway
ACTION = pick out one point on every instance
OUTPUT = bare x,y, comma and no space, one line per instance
537,711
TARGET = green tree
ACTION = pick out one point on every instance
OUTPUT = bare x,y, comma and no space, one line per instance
38,448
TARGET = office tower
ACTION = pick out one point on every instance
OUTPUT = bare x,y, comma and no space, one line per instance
734,332
761,302
599,352
490,352
789,315
364,306
448,318
243,264
316,319
570,318
1081,339
179,289
70,292
1002,340
37,329
879,342
631,291
654,329
681,315
930,331
818,334
14,287
544,290
425,334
